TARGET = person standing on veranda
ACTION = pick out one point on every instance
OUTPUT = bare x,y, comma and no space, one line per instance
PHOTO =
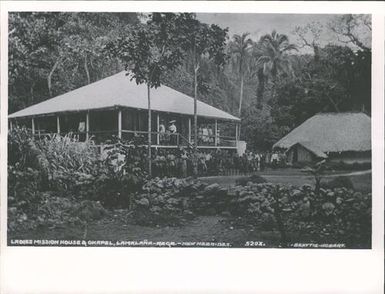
162,131
173,130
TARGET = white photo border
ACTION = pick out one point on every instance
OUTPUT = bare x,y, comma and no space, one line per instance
195,270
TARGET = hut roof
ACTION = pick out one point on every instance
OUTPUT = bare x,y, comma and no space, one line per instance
118,90
331,132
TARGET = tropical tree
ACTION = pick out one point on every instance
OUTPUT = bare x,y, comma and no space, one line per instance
148,52
353,29
240,48
273,59
201,41
309,36
54,52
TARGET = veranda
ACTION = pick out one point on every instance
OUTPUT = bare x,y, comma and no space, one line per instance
101,125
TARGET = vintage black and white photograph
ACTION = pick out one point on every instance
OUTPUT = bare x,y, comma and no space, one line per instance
205,130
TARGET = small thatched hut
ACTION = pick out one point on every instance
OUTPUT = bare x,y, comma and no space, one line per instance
337,137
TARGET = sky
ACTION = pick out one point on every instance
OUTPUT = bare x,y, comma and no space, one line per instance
260,24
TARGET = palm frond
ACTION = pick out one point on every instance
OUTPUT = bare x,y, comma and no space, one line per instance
290,47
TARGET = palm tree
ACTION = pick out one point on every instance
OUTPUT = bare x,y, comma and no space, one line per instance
240,48
272,59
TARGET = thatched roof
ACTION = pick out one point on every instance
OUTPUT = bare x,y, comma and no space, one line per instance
331,132
119,91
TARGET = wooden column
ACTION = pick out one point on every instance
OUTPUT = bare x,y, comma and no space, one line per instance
189,130
157,129
120,124
87,125
216,133
236,133
33,126
58,124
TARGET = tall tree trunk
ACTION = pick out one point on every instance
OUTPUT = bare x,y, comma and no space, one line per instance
149,131
261,86
273,88
49,77
240,106
32,98
240,98
316,52
196,106
86,69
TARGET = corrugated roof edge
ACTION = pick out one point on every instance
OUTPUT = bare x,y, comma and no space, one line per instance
14,115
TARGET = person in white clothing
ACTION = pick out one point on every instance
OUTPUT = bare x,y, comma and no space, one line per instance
274,159
172,127
173,130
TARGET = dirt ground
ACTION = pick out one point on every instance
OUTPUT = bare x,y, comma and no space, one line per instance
200,229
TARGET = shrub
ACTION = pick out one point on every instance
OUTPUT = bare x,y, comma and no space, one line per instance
69,169
23,196
71,163
166,201
120,176
339,215
19,141
74,168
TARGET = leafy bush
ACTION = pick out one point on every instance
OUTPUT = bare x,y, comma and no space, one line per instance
166,201
71,163
172,201
23,195
24,178
74,168
53,211
120,176
19,143
339,215
74,172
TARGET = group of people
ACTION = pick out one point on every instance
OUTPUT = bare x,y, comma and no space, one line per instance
258,161
206,134
186,162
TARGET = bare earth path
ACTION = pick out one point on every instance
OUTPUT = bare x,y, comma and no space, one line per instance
200,229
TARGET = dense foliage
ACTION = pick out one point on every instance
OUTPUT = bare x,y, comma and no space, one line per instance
52,53
61,173
60,181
